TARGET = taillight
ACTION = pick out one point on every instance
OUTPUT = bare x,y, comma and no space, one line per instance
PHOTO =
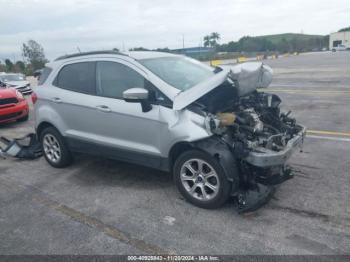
34,98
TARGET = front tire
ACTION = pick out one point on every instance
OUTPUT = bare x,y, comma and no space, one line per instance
54,147
201,180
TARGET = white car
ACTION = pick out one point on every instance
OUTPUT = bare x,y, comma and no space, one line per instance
18,81
341,48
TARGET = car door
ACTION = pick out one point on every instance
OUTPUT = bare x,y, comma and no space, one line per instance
71,95
134,135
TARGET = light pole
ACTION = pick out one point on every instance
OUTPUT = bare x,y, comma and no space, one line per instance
183,43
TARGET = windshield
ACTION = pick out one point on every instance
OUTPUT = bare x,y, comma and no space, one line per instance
12,78
180,72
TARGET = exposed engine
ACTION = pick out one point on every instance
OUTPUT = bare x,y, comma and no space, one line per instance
260,137
254,124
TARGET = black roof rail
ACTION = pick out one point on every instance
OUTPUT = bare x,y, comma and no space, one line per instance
110,52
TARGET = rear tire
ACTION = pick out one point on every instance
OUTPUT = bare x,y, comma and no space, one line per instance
54,148
201,180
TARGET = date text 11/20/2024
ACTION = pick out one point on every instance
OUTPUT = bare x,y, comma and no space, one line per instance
173,258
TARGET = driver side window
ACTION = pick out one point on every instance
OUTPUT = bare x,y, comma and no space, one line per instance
113,79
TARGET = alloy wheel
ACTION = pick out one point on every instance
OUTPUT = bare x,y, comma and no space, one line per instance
200,179
52,148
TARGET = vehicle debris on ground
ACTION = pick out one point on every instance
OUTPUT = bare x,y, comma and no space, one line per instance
27,147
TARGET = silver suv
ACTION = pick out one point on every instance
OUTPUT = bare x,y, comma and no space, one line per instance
210,127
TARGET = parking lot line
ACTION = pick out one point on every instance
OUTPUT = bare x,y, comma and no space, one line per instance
308,92
40,198
329,135
95,223
332,133
330,138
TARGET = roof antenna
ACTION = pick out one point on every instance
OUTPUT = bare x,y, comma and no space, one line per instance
78,49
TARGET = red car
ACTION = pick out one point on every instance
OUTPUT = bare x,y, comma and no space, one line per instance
13,106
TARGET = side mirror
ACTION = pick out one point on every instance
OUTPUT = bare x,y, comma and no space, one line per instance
138,95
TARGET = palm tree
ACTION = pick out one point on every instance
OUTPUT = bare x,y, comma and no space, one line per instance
215,37
211,40
206,40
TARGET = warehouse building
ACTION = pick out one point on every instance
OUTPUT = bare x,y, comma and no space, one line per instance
339,38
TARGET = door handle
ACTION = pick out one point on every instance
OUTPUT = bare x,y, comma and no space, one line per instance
56,100
103,108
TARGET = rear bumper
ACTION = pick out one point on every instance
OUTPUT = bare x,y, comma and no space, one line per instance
272,158
14,112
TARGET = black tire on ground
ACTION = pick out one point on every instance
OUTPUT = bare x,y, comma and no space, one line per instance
23,119
224,185
65,155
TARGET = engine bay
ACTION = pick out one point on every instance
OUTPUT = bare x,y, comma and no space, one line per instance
254,123
259,136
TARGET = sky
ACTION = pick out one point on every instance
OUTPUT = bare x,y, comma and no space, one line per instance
63,26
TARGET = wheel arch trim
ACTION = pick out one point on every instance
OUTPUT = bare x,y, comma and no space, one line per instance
215,147
44,124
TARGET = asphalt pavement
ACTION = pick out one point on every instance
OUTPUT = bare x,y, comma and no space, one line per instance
99,206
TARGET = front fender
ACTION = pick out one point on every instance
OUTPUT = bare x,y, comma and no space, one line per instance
221,152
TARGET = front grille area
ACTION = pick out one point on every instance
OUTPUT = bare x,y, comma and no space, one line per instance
6,101
25,89
22,88
9,116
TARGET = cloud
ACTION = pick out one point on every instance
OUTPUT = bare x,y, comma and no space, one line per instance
62,26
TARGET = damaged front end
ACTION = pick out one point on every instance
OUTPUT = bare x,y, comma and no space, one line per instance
260,137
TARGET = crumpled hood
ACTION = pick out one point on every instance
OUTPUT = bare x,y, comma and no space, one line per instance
249,76
17,83
187,97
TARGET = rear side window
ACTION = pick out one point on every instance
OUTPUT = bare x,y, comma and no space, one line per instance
78,77
114,78
44,75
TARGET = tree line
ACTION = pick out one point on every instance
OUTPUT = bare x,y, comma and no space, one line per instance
345,29
275,43
279,43
34,56
33,59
